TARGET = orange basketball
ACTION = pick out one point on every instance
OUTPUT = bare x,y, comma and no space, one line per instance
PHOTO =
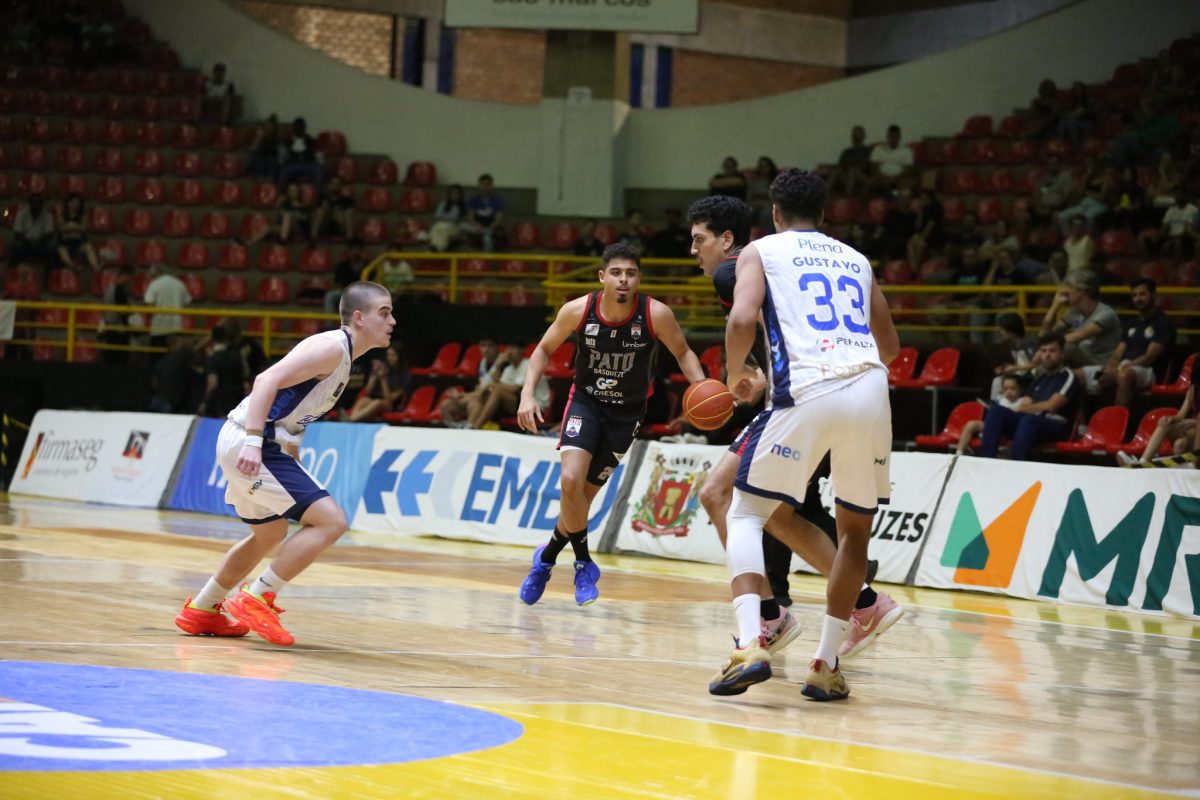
708,404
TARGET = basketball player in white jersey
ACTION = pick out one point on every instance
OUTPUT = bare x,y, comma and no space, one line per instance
257,450
830,336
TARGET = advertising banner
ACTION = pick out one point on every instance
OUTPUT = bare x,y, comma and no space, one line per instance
337,454
485,486
116,457
645,16
1087,535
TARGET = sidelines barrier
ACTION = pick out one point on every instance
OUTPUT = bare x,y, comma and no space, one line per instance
1093,536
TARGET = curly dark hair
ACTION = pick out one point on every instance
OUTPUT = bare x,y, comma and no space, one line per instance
621,250
722,213
799,194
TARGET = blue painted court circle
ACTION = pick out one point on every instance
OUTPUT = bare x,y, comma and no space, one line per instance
71,717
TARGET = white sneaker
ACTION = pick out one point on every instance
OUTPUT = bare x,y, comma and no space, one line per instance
1125,459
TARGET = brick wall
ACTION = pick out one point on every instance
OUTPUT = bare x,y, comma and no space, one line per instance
703,78
360,40
499,65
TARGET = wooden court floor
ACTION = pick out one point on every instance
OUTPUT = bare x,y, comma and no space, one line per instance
968,696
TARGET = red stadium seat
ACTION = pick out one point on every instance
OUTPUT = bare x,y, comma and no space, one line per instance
1181,384
33,156
468,366
227,194
74,131
419,408
842,211
232,289
383,172
897,272
189,165
272,291
1020,151
607,233
331,143
444,363
562,361
31,184
274,258
22,283
149,134
904,365
478,295
307,327
473,265
1187,274
226,165
185,109
946,152
110,190
63,281
525,236
192,255
408,232
373,230
187,192
78,105
1145,430
416,201
875,211
1105,430
186,137
112,106
264,195
138,222
563,236
999,181
196,285
1011,127
989,210
148,162
233,257
311,292
345,169
164,83
101,280
150,251
375,200
982,151
150,192
111,251
1117,242
959,181
71,159
314,259
971,411
177,224
38,129
421,174
215,225
977,127
224,138
940,369
1155,271
252,226
110,161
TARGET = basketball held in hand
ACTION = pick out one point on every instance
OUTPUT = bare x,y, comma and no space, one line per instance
708,404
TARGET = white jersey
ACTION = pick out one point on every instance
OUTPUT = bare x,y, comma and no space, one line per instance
817,312
295,407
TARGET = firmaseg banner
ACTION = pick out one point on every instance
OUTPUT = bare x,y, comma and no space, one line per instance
116,457
1087,535
480,485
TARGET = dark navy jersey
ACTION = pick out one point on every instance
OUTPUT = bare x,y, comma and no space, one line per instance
614,359
724,279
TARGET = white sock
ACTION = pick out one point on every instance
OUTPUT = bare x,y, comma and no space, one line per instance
745,608
267,582
210,595
833,633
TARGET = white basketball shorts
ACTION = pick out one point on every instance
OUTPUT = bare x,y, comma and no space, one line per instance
281,489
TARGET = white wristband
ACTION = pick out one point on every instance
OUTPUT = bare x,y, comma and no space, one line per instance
253,441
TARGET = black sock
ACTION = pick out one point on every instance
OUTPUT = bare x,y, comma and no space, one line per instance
768,609
866,598
556,545
579,545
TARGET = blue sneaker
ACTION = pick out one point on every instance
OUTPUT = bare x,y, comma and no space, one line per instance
586,575
535,582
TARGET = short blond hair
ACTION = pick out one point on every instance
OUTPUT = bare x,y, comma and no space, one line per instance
358,296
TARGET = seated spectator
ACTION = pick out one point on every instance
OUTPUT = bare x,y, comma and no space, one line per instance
673,240
165,291
1079,245
1043,414
1144,342
484,225
386,386
729,181
998,238
264,150
1044,111
891,162
459,406
929,234
291,214
1022,349
1090,329
218,96
33,239
1155,128
891,238
113,324
587,244
72,234
1177,236
1125,201
249,348
1012,389
300,160
1078,118
1180,429
1088,198
1167,183
634,232
502,395
853,173
757,192
1054,189
178,379
395,273
334,213
965,234
225,376
448,219
1002,272
348,270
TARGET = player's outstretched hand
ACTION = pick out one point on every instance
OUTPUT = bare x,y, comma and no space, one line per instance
249,460
529,415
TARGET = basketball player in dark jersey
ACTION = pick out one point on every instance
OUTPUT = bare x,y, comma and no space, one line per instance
720,228
617,332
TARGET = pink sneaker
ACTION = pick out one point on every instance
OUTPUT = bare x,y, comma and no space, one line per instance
869,622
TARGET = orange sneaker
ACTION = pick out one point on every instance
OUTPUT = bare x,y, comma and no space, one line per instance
261,615
199,622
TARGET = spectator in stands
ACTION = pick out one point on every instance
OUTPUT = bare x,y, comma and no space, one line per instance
587,244
348,270
1054,189
1180,429
334,212
929,236
291,214
225,376
484,225
1144,342
1156,128
1078,118
1088,197
300,160
395,273
33,234
1044,111
178,379
502,395
891,162
757,194
1022,349
672,240
1090,328
1125,201
264,150
458,406
218,96
1167,183
966,234
634,233
853,173
1044,414
72,234
891,239
1001,272
388,383
1079,245
117,294
1179,228
250,348
998,238
448,219
729,181
1012,389
165,291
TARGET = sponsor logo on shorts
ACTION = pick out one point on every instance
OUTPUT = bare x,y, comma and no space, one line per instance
574,425
881,462
255,486
784,451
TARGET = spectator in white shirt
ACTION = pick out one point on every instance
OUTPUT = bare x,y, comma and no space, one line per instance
890,161
218,96
502,396
1179,228
165,291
